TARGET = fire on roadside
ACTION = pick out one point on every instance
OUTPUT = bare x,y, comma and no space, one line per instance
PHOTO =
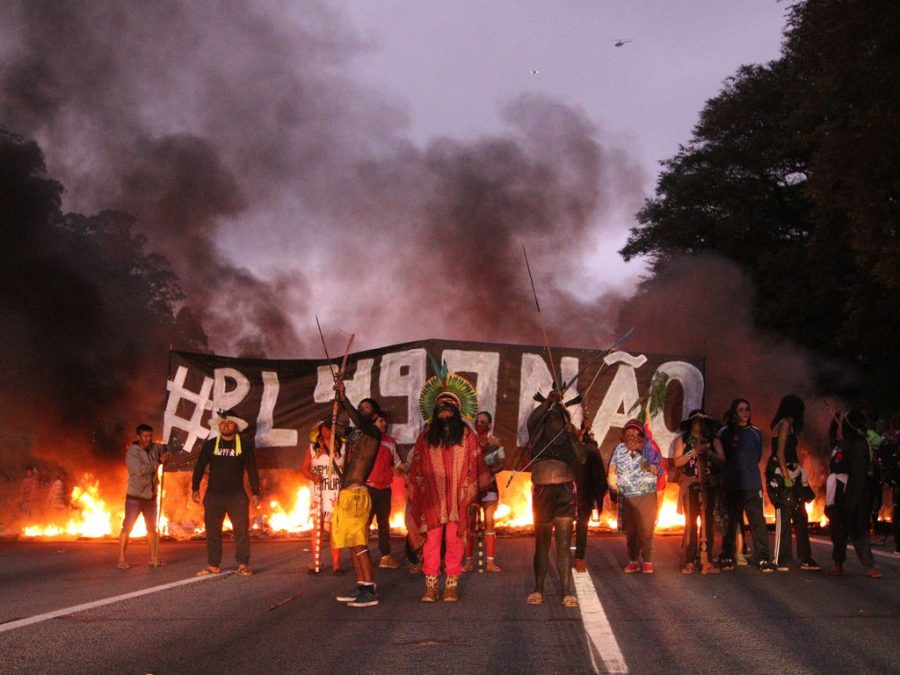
90,515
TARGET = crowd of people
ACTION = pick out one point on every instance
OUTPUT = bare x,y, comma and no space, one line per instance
452,490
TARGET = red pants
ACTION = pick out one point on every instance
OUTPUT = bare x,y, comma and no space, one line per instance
432,552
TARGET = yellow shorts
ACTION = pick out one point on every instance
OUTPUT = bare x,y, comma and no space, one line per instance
350,523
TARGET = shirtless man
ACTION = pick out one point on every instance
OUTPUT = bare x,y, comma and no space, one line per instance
351,512
556,449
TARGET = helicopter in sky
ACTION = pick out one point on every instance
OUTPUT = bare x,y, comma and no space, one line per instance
621,42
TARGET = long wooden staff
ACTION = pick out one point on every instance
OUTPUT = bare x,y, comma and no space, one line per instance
556,382
704,496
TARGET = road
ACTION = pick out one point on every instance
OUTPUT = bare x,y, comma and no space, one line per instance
284,620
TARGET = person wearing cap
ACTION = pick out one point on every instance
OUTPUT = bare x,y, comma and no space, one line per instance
142,459
693,452
228,456
446,476
632,477
350,523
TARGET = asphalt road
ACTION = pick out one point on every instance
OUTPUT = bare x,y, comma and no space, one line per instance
284,620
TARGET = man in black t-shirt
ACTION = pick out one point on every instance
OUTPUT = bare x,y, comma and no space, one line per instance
228,457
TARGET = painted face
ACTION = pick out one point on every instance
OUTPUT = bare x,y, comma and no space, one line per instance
742,414
482,424
633,439
227,428
145,438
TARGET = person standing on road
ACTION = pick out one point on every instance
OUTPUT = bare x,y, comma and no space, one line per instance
446,476
556,451
494,454
633,471
740,443
694,450
229,457
787,487
142,459
387,463
590,480
315,467
848,502
350,524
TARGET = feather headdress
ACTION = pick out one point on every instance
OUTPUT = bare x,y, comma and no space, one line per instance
445,383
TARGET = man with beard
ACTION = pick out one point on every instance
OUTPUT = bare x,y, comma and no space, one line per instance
228,457
350,523
447,474
556,450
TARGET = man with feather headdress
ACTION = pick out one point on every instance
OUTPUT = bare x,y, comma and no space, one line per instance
446,476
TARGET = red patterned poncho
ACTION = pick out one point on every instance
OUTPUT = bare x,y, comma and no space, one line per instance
443,482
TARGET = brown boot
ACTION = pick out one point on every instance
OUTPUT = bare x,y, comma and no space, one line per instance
450,585
431,588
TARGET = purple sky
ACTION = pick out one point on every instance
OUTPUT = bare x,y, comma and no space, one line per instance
451,65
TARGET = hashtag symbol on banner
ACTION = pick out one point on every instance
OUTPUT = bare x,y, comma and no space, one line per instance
202,402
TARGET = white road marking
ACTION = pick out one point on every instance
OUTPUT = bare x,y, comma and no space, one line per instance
38,618
596,625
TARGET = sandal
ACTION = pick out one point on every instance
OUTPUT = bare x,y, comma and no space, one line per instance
244,571
159,563
569,601
122,565
535,599
208,570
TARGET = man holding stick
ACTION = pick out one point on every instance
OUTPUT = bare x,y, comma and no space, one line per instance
350,522
142,459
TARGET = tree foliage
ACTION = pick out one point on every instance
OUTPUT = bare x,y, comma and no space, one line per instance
792,172
88,314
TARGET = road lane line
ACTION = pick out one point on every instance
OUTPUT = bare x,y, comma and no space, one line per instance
38,618
596,626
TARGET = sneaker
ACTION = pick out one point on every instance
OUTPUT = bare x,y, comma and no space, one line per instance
872,573
388,563
766,566
632,567
366,598
726,564
689,568
782,567
647,568
741,561
351,596
810,565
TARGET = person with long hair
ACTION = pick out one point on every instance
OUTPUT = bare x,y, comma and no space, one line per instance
740,444
695,456
787,487
447,474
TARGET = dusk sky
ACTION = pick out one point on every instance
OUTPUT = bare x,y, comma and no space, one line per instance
286,156
451,65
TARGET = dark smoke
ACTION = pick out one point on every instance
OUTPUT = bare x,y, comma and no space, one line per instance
702,306
276,187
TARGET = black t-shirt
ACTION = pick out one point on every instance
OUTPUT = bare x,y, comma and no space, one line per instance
226,466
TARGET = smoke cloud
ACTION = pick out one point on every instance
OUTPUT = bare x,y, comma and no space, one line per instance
276,187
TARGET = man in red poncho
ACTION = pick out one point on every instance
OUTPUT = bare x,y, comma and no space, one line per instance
446,476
